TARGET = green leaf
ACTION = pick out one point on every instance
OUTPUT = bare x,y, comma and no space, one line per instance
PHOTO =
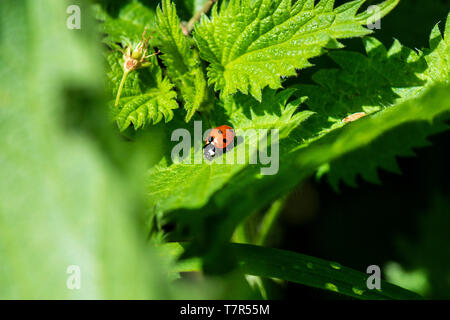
365,83
392,86
187,185
381,154
370,16
251,44
438,54
226,208
302,269
129,23
65,201
313,272
429,109
183,65
183,185
146,98
273,112
382,79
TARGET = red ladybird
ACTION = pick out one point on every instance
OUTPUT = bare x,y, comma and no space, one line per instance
219,140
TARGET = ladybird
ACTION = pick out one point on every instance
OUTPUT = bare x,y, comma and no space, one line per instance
219,140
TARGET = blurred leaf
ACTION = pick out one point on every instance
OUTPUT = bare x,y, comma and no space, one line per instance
415,280
64,201
425,254
131,21
186,9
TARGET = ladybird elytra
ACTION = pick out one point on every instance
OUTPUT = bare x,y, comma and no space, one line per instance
218,141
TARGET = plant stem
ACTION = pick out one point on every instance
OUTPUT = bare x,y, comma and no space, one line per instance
255,281
206,7
269,219
241,235
122,82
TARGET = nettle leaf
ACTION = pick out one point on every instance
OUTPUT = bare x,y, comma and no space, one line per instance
146,98
370,83
181,61
438,55
244,112
183,185
411,105
131,21
187,185
226,208
365,82
430,107
381,154
251,44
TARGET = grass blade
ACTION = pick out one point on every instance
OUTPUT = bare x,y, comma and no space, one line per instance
299,268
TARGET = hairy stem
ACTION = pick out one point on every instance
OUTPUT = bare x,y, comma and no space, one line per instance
206,7
122,82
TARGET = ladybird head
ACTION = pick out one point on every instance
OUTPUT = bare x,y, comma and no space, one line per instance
209,151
